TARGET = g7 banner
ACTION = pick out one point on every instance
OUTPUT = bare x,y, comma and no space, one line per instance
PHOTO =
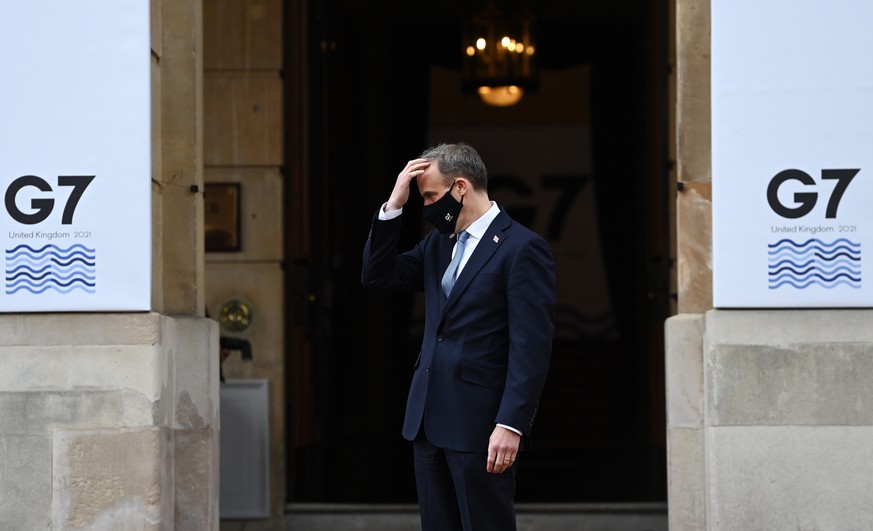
75,156
792,168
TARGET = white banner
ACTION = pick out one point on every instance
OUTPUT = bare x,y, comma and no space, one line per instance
792,164
75,161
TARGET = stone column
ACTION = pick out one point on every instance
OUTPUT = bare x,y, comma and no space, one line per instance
684,332
110,420
769,412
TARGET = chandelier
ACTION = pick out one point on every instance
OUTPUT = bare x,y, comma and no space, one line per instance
499,54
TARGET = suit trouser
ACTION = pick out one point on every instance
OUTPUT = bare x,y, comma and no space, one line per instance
456,492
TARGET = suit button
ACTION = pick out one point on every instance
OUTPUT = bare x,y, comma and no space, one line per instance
440,337
427,369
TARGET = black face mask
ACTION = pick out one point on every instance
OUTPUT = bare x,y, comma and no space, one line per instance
443,214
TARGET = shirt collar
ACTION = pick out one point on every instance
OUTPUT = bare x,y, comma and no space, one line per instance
477,228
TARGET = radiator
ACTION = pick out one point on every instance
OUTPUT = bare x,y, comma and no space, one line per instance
245,449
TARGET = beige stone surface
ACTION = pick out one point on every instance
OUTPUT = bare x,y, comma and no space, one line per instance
672,155
196,490
26,479
684,370
194,372
789,367
693,122
107,479
156,203
156,27
36,412
143,356
135,369
260,285
788,419
244,143
242,34
686,479
260,212
787,422
802,384
693,156
74,329
97,397
179,181
243,119
694,248
788,326
90,401
790,478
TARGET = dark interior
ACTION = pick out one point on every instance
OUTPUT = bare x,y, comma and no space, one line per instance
600,433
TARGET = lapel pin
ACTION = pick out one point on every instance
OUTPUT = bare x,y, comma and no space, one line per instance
496,239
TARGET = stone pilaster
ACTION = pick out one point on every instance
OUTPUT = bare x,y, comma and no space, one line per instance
770,420
110,422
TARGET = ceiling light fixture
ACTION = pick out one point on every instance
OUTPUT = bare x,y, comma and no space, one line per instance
500,54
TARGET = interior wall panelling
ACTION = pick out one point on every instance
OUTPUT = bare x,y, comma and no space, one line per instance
242,34
260,213
260,285
243,119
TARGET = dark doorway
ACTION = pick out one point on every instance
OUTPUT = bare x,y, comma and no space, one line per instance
362,104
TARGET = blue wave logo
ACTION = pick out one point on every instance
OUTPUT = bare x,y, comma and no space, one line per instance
51,267
801,265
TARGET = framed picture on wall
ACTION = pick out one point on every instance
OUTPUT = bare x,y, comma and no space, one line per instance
222,218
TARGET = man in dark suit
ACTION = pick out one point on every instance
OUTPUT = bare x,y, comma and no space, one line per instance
489,287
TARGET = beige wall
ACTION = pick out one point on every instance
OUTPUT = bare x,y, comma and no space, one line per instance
111,419
766,428
243,143
690,84
177,158
693,157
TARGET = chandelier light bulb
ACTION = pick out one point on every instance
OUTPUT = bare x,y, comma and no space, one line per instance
505,96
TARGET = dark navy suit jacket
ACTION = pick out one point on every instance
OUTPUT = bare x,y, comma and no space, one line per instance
486,349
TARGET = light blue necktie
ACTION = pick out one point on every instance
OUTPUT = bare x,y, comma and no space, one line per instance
452,270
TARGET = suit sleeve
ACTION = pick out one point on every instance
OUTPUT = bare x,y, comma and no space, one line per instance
382,267
531,312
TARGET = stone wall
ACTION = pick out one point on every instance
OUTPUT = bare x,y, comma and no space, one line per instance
770,420
769,412
109,421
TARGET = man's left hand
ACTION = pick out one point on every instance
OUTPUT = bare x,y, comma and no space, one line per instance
502,449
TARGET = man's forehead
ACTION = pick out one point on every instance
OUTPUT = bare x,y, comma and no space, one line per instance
430,180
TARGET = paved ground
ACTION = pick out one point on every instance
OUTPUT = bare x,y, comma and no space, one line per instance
563,517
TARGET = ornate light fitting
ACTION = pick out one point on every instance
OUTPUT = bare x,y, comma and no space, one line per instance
500,54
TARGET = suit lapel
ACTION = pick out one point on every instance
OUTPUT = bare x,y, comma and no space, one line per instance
447,243
486,248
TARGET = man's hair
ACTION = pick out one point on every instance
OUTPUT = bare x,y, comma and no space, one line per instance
456,160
